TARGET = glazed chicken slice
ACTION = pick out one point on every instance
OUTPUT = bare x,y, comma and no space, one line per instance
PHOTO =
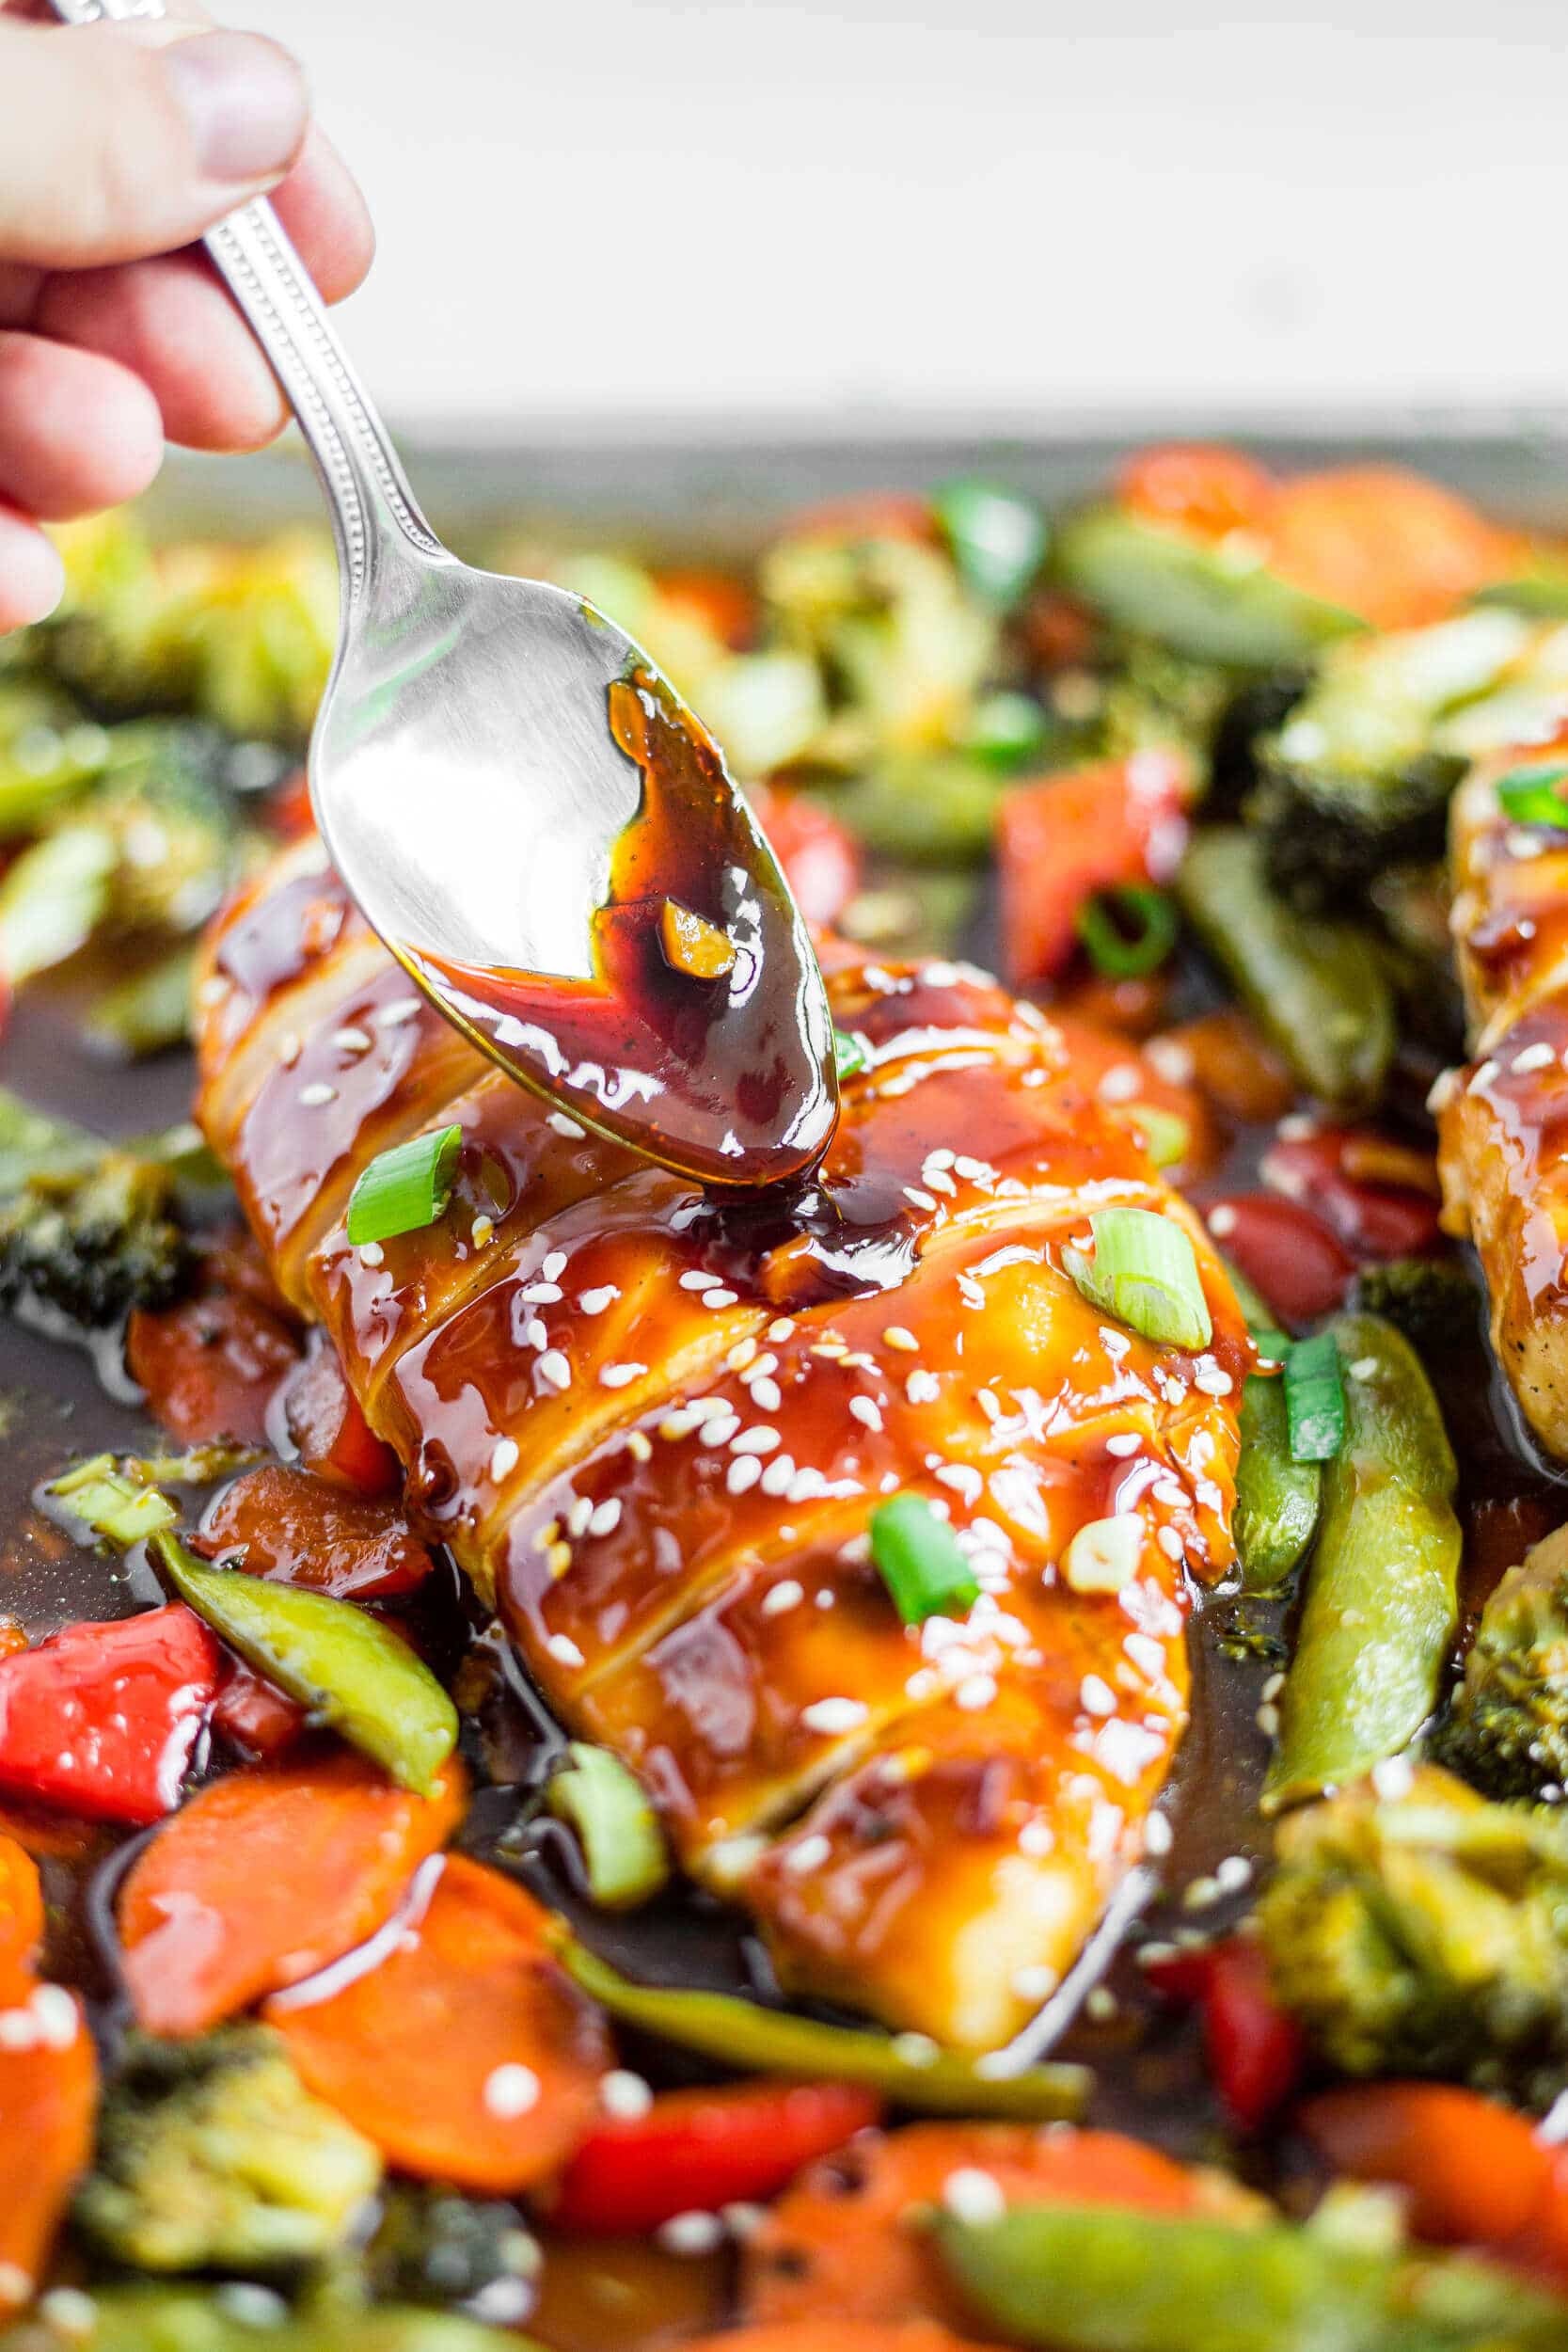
1503,1118
653,1425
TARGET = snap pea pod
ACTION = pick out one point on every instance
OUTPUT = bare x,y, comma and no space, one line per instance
1382,1595
1198,599
349,1669
1108,2279
1278,1498
623,1853
209,2319
1315,987
906,2070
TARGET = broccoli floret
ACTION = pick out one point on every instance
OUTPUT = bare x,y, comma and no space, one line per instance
1433,1301
212,2156
436,2246
1425,1931
1508,1728
93,1244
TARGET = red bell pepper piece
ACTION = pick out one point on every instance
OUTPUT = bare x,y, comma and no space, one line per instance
1372,1220
334,1437
694,2150
1285,1251
255,1717
210,1365
1197,486
103,1718
1065,837
1474,2173
292,1527
1254,2048
820,857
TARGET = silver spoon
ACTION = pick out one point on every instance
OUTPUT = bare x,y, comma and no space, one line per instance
621,941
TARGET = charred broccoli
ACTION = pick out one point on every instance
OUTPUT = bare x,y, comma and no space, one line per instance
93,1244
1425,1931
433,2246
212,2156
1433,1301
1508,1728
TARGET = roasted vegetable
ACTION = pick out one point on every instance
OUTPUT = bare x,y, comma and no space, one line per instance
93,1244
1359,776
1433,1301
212,2156
202,2319
1214,600
1315,988
1110,2279
1382,1594
1508,1728
1425,1931
433,2246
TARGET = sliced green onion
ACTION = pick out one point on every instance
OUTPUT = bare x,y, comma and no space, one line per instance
1167,1135
998,539
1129,931
1532,795
1143,1271
404,1190
623,1846
100,1497
918,1559
1315,1399
1005,730
850,1053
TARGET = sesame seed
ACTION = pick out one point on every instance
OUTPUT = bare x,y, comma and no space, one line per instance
534,1333
1157,1834
1037,1839
402,1009
866,1410
606,1517
621,1376
743,1353
973,2197
1101,2005
16,2287
554,1369
780,1330
1532,1057
974,1171
558,1559
66,2312
831,1350
594,1302
1200,1893
719,1428
290,1047
481,1231
539,1294
779,1476
1364,1368
352,1041
758,1440
580,1514
1119,1085
915,2049
1170,1059
742,1474
1212,1381
922,1388
698,1279
250,2304
690,2233
767,1394
1097,1696
783,1596
371,1253
316,1093
718,1298
1444,1087
554,1265
1170,1542
1221,1222
1267,1719
1394,1777
1104,1555
1233,1873
1035,1982
805,1485
963,1479
1125,1442
504,1459
1482,1076
1273,1686
974,1691
833,1715
567,1127
56,2016
638,1446
624,2094
809,1855
896,1336
510,2091
565,1650
917,1199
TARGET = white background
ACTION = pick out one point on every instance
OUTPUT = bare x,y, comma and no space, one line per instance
877,208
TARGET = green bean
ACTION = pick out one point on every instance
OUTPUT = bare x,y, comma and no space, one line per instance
1278,1498
211,2319
1316,988
906,2070
349,1669
1188,593
148,1013
1109,2279
1382,1595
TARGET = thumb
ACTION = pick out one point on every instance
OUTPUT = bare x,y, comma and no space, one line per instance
111,149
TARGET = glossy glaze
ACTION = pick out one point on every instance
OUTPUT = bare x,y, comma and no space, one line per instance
654,1423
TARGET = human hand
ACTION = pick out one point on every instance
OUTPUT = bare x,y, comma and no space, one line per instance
119,144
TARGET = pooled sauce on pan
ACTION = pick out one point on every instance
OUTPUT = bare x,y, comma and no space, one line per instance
728,1077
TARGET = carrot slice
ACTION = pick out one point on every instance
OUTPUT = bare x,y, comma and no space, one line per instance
48,2098
266,1877
836,2243
1390,545
467,2055
21,1917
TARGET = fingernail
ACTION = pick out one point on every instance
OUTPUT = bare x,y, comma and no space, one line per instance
245,99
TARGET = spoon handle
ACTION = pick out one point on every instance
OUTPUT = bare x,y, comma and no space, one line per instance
367,491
